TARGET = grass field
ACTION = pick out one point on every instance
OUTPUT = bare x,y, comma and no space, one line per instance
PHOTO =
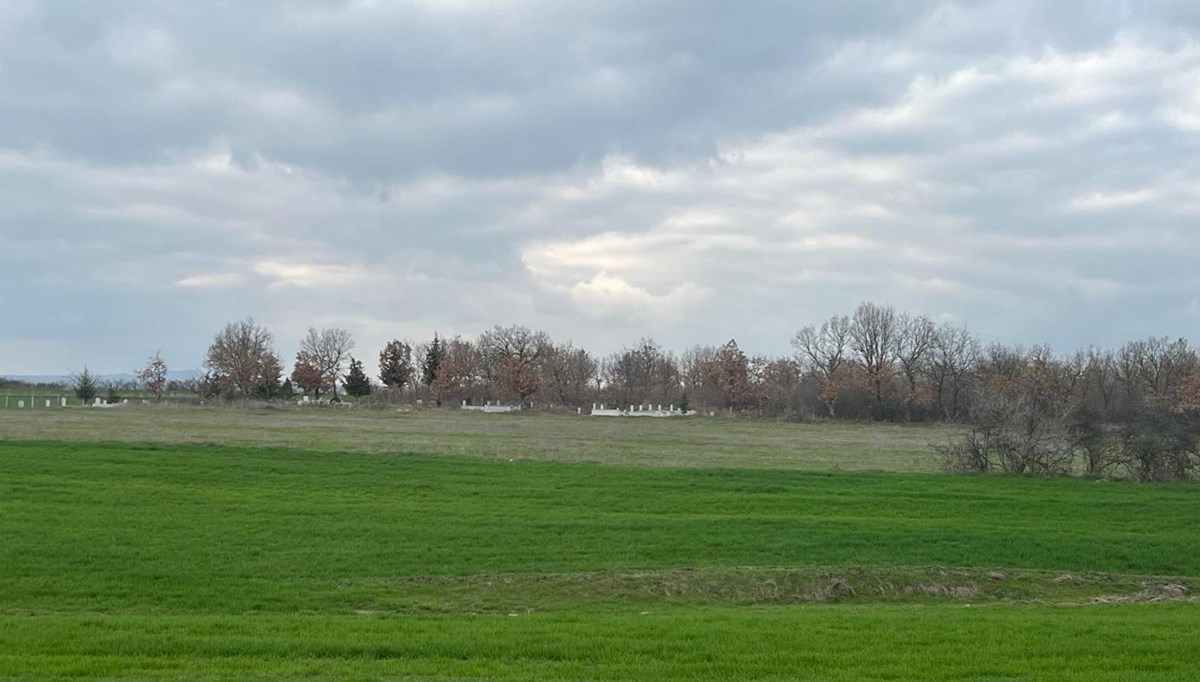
1141,642
684,442
191,561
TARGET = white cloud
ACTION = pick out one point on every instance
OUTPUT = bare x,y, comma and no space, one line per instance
1101,201
211,280
604,171
608,296
308,275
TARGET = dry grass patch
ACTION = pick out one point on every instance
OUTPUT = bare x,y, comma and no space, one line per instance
688,442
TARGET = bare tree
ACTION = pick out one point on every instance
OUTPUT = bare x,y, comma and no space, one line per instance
643,373
1128,358
519,343
241,356
779,385
1158,445
1089,438
875,337
823,353
696,376
567,373
1100,377
955,354
913,347
326,351
1049,380
508,357
1013,435
1152,370
1075,373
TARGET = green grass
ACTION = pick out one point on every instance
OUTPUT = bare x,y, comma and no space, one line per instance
825,643
684,442
196,529
161,561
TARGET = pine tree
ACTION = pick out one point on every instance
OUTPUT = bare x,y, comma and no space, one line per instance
395,364
85,385
433,361
270,373
357,384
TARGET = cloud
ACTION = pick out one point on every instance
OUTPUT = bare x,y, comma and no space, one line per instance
1100,201
212,280
606,296
601,170
307,275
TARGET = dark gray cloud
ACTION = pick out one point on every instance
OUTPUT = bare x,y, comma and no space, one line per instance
603,170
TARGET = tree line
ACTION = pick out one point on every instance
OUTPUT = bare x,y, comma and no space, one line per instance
1031,410
875,363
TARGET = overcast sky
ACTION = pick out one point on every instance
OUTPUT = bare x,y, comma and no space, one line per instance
601,170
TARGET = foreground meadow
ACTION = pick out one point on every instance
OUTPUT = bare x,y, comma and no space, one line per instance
1138,642
187,561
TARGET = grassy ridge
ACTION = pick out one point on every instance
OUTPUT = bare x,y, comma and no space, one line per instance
186,529
821,643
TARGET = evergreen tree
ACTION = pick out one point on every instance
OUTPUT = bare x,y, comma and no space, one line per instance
395,364
357,384
270,374
85,385
433,361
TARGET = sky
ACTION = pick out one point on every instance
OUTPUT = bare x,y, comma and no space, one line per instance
688,171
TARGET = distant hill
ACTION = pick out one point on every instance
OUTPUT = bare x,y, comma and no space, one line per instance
172,375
